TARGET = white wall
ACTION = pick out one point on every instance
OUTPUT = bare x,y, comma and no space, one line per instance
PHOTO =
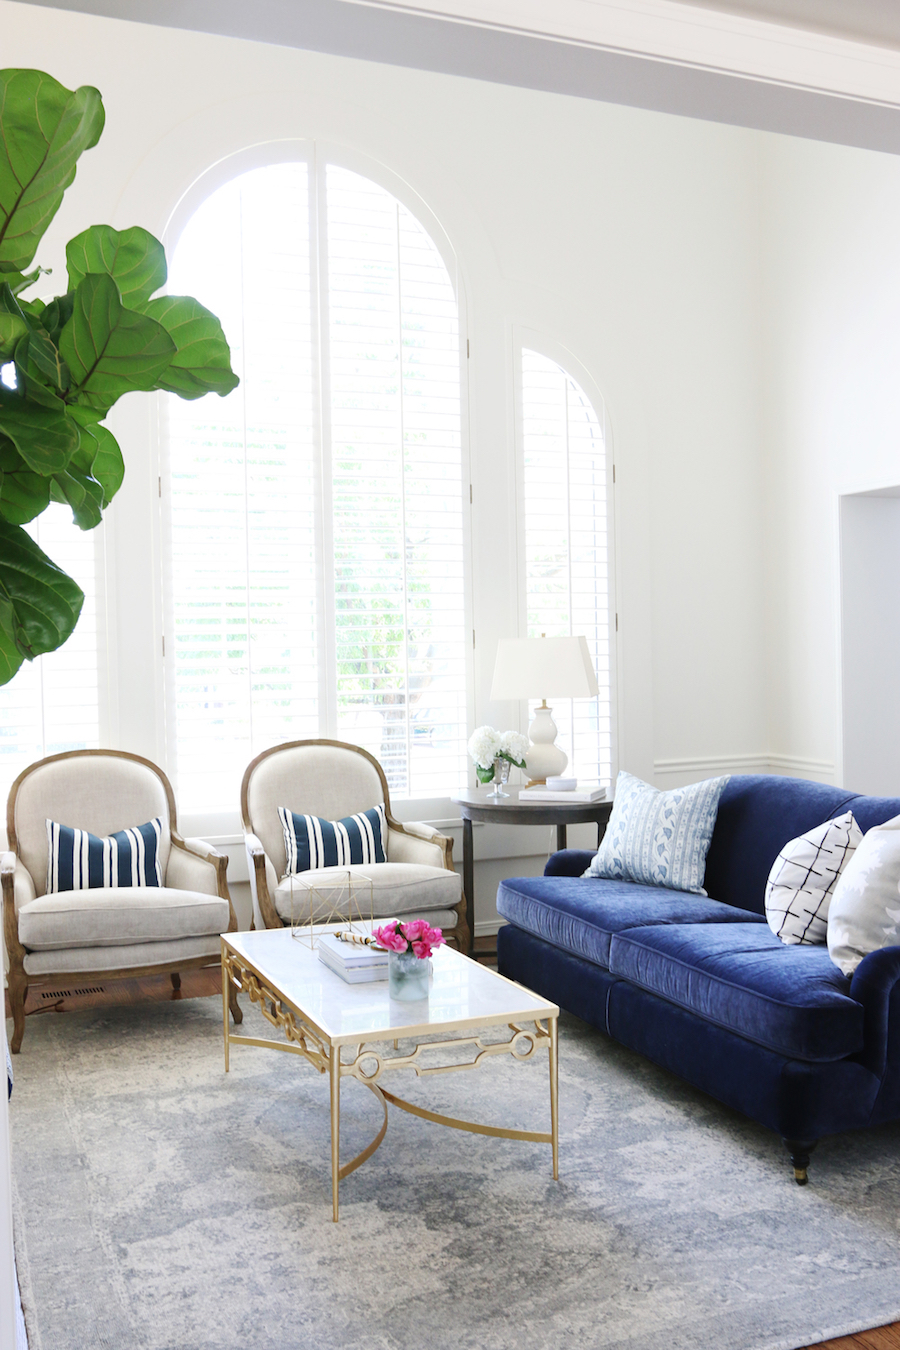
832,353
630,237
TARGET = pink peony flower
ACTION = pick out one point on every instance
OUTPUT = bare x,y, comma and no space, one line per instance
390,938
417,936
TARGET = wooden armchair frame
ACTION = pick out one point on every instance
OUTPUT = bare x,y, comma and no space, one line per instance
19,980
458,935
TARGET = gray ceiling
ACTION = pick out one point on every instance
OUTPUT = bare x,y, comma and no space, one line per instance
344,28
875,21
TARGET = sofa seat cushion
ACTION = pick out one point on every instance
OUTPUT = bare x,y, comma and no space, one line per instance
790,999
580,914
119,916
396,889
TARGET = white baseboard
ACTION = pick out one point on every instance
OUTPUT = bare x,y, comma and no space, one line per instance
489,927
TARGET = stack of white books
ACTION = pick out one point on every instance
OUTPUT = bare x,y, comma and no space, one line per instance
583,793
353,962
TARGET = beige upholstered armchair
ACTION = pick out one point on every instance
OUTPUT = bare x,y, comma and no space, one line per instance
332,780
67,937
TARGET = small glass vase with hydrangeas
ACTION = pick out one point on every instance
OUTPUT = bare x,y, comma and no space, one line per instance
494,753
409,961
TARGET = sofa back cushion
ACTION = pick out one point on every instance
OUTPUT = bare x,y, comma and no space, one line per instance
759,814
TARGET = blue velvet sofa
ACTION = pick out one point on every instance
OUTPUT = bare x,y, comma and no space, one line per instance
703,987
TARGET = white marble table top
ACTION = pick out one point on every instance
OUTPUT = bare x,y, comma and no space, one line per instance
463,994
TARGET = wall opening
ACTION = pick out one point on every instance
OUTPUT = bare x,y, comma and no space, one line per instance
870,640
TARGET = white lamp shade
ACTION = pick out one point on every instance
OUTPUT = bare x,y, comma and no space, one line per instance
554,667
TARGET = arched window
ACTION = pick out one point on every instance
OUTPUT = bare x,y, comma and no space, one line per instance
566,554
315,517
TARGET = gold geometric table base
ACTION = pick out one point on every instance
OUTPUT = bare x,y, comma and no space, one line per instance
303,1038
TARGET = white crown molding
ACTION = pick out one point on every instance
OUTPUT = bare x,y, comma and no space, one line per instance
686,35
652,54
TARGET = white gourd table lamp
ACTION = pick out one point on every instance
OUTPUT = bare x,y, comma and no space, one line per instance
560,667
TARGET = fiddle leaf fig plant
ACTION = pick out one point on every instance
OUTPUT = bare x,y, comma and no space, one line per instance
65,362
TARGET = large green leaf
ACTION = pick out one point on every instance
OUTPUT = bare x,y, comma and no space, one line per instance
18,282
39,426
81,491
23,495
38,361
13,323
102,448
202,362
54,317
43,130
10,656
133,258
111,350
39,603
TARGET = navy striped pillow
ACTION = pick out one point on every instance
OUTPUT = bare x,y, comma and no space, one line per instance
311,842
80,861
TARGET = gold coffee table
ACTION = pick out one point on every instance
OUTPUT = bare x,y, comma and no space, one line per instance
319,1014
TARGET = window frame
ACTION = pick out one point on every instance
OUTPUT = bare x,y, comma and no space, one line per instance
525,338
317,154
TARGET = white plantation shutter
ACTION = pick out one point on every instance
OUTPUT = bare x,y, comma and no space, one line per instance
241,597
566,546
397,490
315,582
53,703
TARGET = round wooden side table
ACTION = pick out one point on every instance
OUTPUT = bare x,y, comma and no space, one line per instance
479,806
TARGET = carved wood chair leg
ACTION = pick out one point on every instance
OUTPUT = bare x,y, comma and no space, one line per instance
176,980
233,1004
799,1151
18,992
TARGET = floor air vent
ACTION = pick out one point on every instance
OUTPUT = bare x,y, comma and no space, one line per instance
57,994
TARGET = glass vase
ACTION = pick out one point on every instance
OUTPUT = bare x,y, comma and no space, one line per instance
501,777
408,976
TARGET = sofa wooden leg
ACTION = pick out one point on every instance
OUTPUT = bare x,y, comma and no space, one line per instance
233,1004
799,1151
176,980
18,992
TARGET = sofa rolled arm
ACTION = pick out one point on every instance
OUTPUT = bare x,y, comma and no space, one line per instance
262,884
876,985
569,862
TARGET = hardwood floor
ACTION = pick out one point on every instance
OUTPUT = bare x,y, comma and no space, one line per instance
207,983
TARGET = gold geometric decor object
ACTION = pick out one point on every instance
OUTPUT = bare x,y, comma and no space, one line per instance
350,902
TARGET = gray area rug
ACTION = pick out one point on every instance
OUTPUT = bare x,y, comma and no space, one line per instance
163,1204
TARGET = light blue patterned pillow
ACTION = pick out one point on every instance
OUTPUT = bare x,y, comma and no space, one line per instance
659,838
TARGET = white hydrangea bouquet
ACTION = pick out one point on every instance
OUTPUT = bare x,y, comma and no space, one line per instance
489,747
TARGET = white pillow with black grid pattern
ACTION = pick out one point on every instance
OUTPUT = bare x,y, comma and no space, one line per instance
803,877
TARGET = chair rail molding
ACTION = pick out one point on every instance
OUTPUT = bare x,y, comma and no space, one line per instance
711,766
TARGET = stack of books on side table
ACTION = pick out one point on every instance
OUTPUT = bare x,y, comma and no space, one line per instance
583,794
354,963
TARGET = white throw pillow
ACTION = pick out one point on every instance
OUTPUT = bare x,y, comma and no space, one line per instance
865,906
803,878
